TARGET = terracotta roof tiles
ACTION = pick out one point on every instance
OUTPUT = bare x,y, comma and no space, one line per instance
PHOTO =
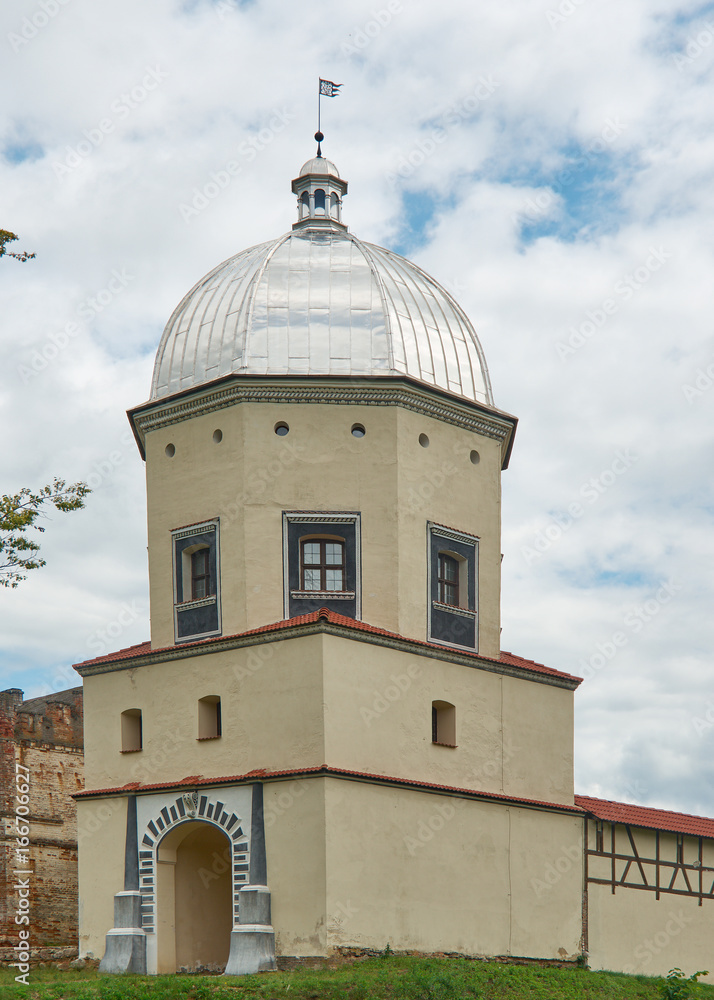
654,819
333,618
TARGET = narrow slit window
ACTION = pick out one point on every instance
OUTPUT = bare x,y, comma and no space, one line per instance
131,730
443,723
209,718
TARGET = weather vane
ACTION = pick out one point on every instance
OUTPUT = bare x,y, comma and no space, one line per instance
327,89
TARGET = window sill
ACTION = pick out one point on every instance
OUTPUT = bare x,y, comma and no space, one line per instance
135,750
202,603
453,609
322,595
438,743
203,739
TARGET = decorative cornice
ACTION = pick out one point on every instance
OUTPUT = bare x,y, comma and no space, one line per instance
456,536
202,528
375,390
321,626
321,517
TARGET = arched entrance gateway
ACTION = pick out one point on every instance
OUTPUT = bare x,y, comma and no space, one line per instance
193,897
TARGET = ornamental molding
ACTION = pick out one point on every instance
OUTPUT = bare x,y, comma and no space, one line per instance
321,517
195,529
453,534
323,595
453,610
322,389
203,603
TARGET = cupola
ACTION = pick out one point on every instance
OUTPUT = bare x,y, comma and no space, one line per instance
320,190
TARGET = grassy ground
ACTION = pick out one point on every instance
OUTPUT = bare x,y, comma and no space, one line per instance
390,978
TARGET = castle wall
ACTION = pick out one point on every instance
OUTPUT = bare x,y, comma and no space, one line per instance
433,872
636,933
43,735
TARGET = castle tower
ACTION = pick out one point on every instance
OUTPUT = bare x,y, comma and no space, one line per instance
323,713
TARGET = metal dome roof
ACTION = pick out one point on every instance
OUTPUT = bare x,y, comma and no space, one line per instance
319,165
318,301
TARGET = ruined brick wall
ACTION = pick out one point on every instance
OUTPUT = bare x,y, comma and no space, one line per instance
45,736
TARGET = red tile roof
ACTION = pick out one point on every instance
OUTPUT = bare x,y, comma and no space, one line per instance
654,819
337,772
333,618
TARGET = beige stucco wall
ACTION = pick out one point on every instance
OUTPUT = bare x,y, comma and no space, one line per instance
271,701
101,827
431,872
631,931
252,475
355,864
295,840
325,699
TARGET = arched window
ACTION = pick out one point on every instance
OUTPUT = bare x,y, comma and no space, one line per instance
448,579
334,207
131,730
319,202
322,565
304,205
443,723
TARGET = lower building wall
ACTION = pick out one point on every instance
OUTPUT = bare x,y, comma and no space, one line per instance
632,931
429,872
101,834
294,814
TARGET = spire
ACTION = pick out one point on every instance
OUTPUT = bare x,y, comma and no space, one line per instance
320,190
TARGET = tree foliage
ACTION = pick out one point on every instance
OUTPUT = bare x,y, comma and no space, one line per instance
18,513
7,237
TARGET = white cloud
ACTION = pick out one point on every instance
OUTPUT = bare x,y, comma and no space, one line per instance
222,74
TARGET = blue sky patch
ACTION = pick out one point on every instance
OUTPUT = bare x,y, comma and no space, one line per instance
579,200
419,209
22,152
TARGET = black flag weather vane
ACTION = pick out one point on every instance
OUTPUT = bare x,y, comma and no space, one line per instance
327,89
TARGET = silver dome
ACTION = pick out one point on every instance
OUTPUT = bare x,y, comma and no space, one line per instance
320,303
319,165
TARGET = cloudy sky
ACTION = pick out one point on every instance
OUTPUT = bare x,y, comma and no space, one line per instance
549,161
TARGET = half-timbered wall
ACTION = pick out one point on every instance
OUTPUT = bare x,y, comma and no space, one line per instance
650,898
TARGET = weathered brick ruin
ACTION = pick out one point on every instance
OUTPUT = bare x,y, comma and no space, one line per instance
45,735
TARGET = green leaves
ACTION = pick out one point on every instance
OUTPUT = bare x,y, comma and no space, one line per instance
7,237
677,986
18,513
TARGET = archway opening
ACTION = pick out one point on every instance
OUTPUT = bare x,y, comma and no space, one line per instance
194,898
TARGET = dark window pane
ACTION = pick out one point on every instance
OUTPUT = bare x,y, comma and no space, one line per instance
448,580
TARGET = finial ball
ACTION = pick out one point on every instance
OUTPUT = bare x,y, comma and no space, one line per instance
319,136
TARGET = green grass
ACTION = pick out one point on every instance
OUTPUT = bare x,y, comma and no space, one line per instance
392,978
